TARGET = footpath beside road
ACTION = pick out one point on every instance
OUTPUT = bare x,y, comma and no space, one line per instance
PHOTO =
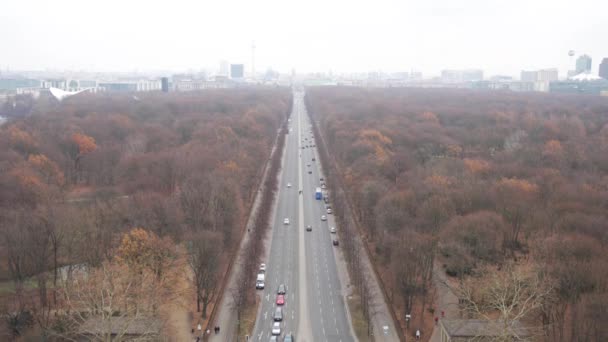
446,300
225,316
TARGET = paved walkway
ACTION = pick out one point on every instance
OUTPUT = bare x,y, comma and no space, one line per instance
446,300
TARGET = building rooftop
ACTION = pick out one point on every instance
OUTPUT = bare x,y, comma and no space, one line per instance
481,328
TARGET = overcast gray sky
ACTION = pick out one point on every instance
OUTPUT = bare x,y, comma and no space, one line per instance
498,36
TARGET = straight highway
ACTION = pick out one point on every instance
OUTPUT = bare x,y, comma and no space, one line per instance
304,261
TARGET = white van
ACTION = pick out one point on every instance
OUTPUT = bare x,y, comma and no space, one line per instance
259,283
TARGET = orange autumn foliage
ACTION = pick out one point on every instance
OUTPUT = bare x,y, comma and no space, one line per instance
85,143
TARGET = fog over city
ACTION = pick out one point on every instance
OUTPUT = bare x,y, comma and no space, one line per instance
500,37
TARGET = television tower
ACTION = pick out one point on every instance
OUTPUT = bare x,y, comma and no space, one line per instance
253,60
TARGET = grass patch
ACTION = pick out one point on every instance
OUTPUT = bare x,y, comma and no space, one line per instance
356,314
248,320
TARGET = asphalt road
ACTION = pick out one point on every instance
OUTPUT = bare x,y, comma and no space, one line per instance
304,261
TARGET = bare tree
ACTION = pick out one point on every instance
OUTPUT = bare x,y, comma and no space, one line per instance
204,259
506,298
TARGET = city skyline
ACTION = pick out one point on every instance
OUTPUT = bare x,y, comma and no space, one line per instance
390,36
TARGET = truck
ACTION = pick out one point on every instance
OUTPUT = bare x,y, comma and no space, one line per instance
259,283
318,194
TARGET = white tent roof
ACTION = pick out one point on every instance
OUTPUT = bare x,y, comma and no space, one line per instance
585,77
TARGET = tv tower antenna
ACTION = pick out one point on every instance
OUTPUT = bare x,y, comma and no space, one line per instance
253,60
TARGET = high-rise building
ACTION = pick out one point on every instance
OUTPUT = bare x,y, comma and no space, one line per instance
583,64
164,81
604,69
237,71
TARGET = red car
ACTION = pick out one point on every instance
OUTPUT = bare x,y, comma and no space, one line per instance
280,300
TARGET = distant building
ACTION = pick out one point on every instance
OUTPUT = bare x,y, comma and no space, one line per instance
164,84
521,86
54,83
14,83
130,86
542,75
237,71
190,84
583,64
461,76
604,69
529,76
224,68
581,84
547,75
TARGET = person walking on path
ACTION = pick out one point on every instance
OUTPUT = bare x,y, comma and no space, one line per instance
417,334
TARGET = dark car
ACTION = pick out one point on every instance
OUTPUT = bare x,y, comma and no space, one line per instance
310,171
336,243
313,159
309,228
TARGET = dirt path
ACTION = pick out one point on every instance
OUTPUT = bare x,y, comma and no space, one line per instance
179,311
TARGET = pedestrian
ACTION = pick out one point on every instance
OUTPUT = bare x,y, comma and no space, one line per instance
436,320
442,314
417,334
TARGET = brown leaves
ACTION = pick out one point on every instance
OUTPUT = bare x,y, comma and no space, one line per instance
477,166
84,143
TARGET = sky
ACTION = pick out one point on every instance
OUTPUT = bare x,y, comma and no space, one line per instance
497,36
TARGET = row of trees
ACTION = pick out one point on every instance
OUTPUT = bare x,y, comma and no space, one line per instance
476,181
76,176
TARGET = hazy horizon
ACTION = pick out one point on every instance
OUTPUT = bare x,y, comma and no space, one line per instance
499,37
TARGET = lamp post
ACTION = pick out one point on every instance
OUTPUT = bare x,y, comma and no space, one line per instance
408,318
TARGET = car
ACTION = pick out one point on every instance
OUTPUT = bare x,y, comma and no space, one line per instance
335,242
323,218
286,221
278,315
274,339
310,171
332,230
302,147
280,299
313,159
262,267
289,338
308,165
323,186
309,228
289,185
329,210
282,289
321,179
276,328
